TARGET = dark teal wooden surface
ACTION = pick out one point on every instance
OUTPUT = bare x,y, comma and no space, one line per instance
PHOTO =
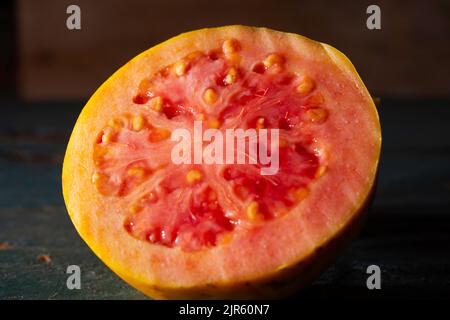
407,233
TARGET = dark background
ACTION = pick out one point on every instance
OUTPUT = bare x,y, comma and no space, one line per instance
407,57
47,73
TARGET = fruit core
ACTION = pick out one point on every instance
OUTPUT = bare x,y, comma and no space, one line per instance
193,207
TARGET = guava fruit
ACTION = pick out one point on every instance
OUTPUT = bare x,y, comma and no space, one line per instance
181,231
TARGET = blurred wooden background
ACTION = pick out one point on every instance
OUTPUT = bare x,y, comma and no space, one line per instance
409,56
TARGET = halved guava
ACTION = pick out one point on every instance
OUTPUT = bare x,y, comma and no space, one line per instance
223,230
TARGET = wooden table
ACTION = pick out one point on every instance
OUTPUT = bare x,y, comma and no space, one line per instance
407,233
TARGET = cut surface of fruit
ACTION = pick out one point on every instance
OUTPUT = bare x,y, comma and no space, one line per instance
222,229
